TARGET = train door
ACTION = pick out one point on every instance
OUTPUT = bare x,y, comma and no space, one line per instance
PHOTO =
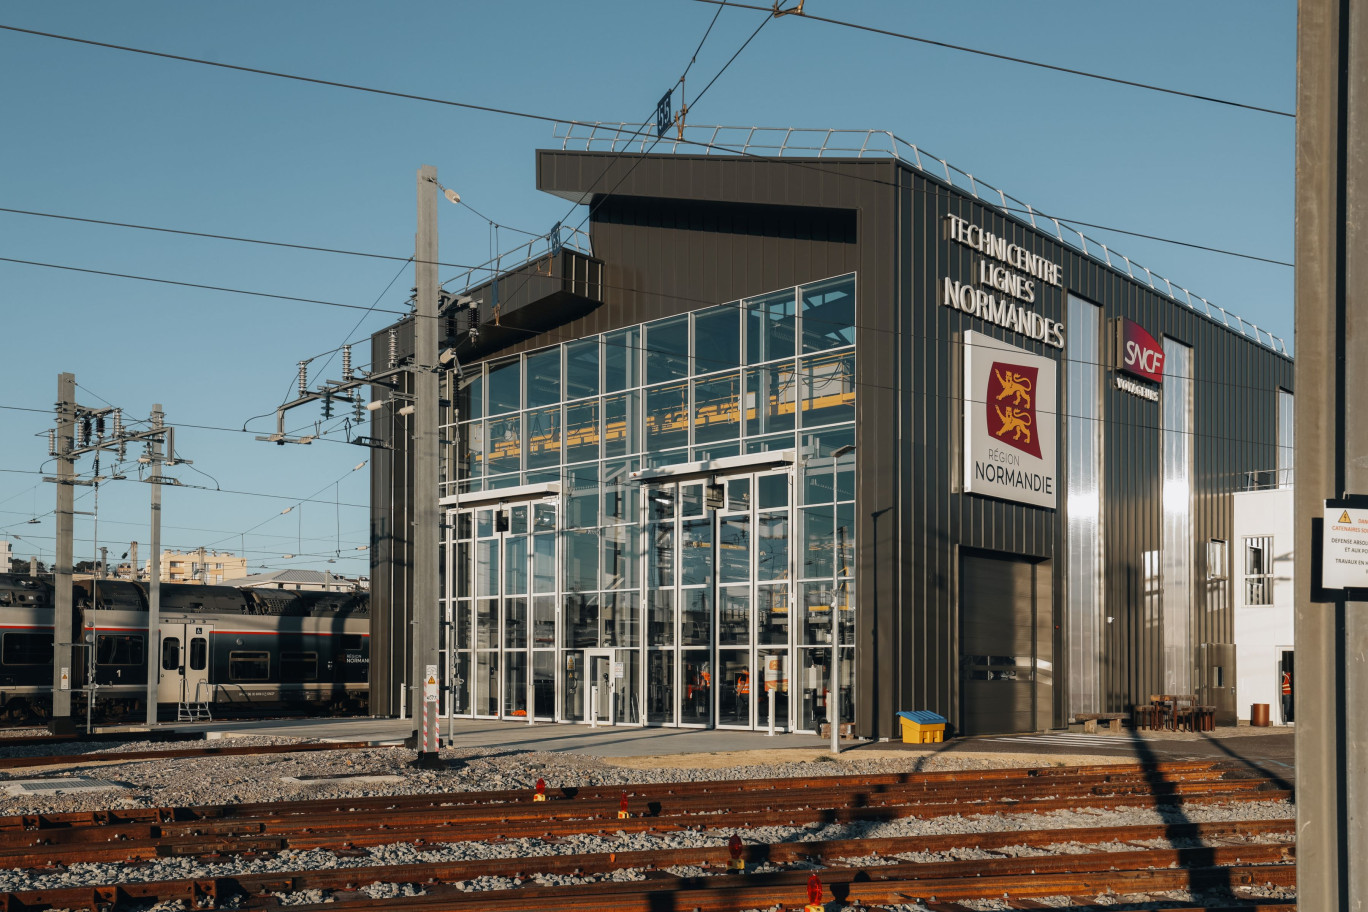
171,656
184,661
196,679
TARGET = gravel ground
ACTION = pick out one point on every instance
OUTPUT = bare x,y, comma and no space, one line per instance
218,780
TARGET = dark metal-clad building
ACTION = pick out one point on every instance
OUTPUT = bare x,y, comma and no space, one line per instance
773,397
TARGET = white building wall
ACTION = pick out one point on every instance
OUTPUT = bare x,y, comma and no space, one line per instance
1262,632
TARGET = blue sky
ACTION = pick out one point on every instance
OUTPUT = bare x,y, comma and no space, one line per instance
104,134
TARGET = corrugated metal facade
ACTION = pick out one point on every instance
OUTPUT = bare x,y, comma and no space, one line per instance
679,233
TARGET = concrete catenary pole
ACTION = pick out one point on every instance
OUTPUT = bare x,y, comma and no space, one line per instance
61,722
1331,682
426,540
154,576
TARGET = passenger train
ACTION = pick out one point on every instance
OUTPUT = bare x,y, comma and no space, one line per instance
218,648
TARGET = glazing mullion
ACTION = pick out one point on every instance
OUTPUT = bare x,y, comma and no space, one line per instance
677,556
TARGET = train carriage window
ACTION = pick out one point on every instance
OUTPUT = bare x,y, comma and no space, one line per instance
27,649
119,649
171,653
351,642
249,666
298,666
199,653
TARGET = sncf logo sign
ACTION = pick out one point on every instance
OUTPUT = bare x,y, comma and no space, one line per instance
1011,410
1137,352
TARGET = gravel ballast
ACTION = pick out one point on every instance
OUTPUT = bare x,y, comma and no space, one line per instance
372,772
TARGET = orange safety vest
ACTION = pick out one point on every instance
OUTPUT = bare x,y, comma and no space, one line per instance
1287,684
743,683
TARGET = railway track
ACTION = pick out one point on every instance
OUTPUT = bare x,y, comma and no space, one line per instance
69,760
1020,867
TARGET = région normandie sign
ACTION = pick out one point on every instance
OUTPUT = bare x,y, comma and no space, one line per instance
1010,422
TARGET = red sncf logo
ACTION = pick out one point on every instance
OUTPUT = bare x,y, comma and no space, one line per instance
1141,355
1011,409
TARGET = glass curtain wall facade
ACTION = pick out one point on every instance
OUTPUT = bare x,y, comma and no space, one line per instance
585,547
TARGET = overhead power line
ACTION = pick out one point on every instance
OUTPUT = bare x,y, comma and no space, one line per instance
222,237
241,291
1009,58
293,76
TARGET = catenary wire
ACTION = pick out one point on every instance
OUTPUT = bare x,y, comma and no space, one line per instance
291,76
347,337
707,145
557,120
546,119
1010,59
223,237
241,291
638,130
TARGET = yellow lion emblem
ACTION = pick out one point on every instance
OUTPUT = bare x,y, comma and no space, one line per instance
1014,420
1016,385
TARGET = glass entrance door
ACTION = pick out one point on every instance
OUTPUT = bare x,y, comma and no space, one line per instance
503,621
600,696
718,569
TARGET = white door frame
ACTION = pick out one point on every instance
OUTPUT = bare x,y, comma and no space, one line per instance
609,656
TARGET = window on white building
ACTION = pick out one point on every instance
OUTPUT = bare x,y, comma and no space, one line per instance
1259,570
1218,559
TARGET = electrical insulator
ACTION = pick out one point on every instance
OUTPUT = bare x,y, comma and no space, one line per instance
394,348
52,442
360,409
118,422
85,431
327,406
123,450
346,364
303,377
99,426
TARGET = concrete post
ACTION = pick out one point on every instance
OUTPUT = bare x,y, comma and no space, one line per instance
426,540
61,722
1331,449
154,577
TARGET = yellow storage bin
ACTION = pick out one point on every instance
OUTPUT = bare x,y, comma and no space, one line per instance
922,727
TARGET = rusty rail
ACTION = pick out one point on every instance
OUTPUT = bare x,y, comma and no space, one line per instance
251,888
139,756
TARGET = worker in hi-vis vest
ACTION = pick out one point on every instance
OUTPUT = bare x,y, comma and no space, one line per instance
1287,696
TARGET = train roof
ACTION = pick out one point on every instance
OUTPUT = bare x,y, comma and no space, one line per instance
38,592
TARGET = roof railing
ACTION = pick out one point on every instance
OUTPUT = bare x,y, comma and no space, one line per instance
829,143
560,237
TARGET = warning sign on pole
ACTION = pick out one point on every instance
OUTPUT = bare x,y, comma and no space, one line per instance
1344,555
430,684
66,679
